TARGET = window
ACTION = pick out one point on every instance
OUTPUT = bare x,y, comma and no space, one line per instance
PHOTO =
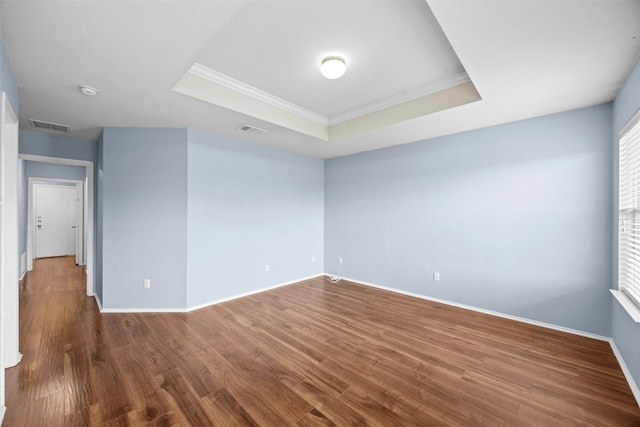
629,211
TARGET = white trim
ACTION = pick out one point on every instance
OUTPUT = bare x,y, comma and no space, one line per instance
9,257
206,73
97,298
23,265
198,307
80,237
627,304
401,98
142,310
623,366
484,311
630,124
3,409
625,370
89,229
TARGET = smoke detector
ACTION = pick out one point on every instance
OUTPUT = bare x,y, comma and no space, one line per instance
88,90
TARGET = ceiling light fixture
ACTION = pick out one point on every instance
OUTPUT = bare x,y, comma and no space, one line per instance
88,90
333,67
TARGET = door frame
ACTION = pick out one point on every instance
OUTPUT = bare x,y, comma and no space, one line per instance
88,212
31,211
9,258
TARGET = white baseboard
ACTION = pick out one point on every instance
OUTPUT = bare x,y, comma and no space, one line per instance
143,310
482,310
97,298
625,371
3,409
12,361
197,307
208,304
23,264
614,348
616,352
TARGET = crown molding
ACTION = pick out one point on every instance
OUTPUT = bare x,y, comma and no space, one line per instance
245,89
401,98
199,70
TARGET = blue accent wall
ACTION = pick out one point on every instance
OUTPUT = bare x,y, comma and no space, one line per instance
250,206
144,217
624,331
516,218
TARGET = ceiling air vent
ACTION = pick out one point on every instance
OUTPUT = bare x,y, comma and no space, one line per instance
49,126
252,129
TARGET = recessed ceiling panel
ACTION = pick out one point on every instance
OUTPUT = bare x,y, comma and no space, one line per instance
391,47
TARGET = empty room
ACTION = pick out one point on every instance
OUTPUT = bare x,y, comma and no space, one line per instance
320,213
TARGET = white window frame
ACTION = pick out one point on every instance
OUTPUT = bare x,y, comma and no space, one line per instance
628,292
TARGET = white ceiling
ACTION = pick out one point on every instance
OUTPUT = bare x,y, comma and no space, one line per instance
416,69
390,47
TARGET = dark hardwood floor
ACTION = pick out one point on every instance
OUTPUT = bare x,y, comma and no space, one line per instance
308,354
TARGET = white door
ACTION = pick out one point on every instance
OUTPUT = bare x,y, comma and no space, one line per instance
56,222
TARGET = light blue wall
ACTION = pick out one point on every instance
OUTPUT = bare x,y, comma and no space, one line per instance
53,145
144,217
516,218
56,171
624,331
249,206
201,216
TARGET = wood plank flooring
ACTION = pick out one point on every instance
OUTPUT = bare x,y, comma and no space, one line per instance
308,354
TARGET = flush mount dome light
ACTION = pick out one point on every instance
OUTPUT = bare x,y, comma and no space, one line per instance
333,67
88,90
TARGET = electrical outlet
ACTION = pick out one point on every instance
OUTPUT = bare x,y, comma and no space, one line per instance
313,258
266,268
340,260
436,276
146,283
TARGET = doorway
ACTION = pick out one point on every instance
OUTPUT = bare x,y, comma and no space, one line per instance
88,214
58,219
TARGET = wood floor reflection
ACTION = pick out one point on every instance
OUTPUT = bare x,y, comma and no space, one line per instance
308,354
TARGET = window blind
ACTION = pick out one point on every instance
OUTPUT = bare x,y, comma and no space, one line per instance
629,211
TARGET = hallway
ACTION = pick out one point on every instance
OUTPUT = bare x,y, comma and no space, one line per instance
58,325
